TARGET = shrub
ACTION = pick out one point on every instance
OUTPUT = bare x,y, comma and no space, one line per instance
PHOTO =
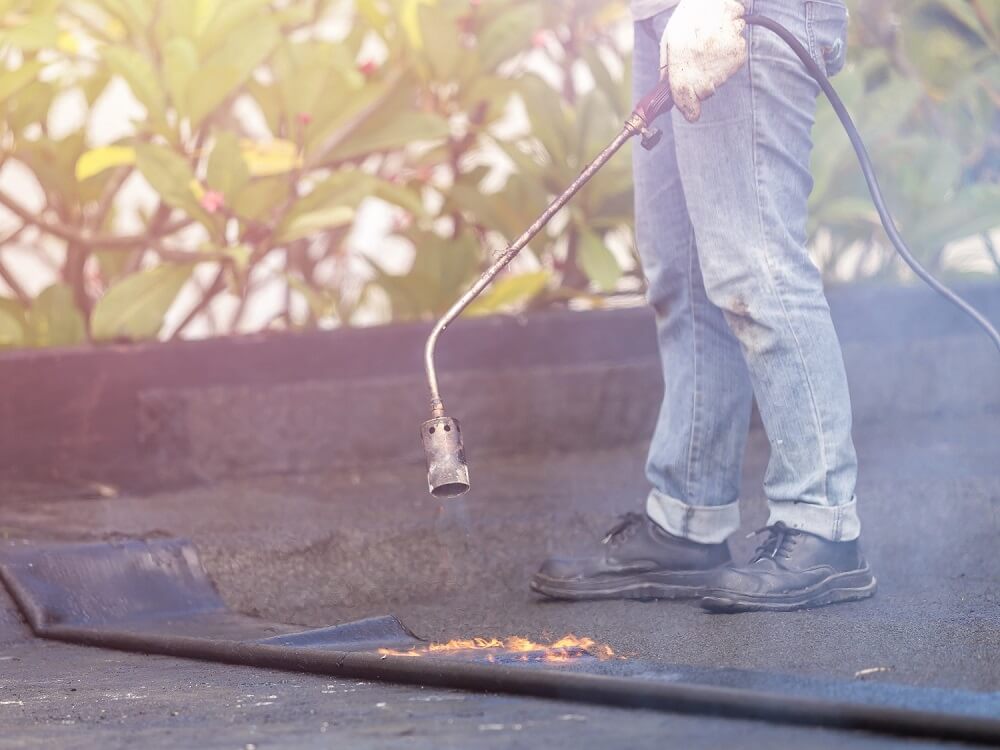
267,136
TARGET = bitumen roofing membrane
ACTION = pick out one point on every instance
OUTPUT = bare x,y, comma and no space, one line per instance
324,548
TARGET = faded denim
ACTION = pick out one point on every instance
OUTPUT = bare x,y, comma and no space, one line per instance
740,310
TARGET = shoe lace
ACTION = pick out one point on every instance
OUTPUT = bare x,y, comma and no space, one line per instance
778,544
624,527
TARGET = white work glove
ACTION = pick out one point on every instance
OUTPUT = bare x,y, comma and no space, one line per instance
701,48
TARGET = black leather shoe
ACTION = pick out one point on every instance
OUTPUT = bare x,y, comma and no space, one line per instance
636,560
793,570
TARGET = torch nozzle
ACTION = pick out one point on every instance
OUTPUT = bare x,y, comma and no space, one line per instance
447,472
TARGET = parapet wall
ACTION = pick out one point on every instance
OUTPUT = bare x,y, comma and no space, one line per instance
155,415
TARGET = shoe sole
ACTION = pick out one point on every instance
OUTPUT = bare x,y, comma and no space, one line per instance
672,585
843,587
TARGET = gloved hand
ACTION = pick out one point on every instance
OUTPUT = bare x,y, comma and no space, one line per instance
701,48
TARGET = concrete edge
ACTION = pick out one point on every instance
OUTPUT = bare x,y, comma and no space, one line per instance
157,415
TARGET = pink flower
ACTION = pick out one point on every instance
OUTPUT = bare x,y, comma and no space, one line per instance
212,201
304,118
539,38
402,221
367,68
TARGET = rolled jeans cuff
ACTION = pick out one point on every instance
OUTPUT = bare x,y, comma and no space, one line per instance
838,523
706,524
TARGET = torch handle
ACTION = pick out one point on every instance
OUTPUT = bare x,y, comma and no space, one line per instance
656,102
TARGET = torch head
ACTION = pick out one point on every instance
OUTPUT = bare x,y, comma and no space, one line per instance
447,472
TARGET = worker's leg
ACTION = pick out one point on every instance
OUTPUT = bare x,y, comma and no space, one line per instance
745,170
677,548
697,448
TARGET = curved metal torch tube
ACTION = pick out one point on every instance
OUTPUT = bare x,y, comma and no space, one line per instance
636,124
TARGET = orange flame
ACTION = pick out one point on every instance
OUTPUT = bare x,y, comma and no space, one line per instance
565,649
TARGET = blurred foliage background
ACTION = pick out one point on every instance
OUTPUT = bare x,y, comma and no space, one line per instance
177,168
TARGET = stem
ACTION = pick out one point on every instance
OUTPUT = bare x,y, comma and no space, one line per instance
7,275
76,259
217,285
69,234
241,307
108,195
573,277
354,123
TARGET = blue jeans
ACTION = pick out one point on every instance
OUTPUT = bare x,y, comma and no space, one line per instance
740,310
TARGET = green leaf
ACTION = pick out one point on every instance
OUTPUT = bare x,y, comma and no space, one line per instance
372,14
492,91
598,262
310,73
549,118
510,210
508,34
403,197
93,86
397,131
113,263
227,172
440,35
972,211
266,158
171,176
222,25
40,32
240,255
12,81
260,198
55,320
204,12
268,99
939,52
406,298
13,324
53,162
350,103
140,76
596,125
608,197
30,105
97,160
962,12
306,224
442,267
848,210
615,91
409,17
180,67
509,292
441,270
135,14
135,307
226,70
176,18
886,109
